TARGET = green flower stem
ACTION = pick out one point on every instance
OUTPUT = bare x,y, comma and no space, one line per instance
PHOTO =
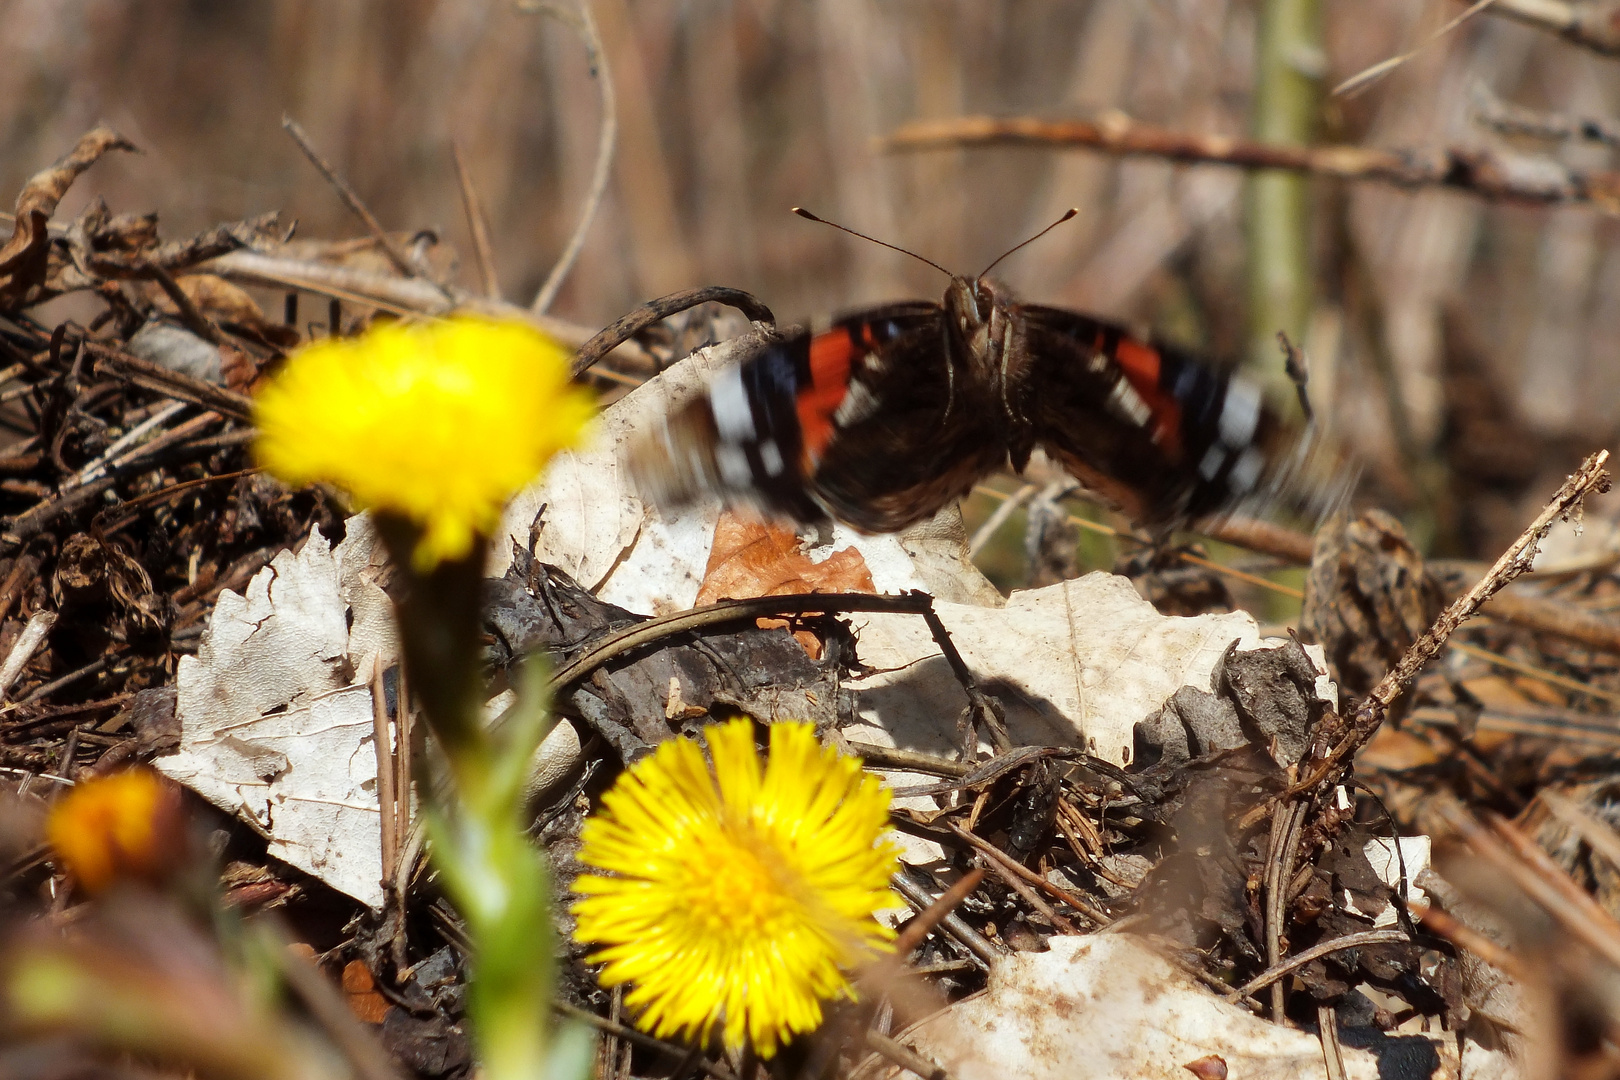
493,874
1288,69
439,629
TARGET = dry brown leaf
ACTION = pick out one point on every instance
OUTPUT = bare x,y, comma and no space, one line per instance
227,304
23,258
360,991
752,558
1395,750
1497,691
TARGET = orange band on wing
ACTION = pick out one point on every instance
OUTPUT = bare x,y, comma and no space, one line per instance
1141,364
831,355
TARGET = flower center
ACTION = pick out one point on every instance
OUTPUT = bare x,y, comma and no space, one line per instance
741,887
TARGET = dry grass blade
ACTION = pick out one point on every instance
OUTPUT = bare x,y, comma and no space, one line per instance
1515,855
1363,79
607,139
352,200
477,225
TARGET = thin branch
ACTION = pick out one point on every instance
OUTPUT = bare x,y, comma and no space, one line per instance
889,757
190,314
630,1034
1592,24
920,927
984,950
476,225
1316,952
897,1053
33,635
1511,119
1516,560
351,199
624,328
585,26
402,296
1280,854
387,811
1487,173
1010,866
645,633
1259,536
174,384
1327,1027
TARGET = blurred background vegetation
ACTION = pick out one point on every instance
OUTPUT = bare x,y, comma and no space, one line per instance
1467,348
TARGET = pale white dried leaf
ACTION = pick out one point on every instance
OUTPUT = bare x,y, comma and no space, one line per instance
1077,663
272,728
1105,1006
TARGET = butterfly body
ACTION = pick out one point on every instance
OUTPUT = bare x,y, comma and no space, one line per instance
890,413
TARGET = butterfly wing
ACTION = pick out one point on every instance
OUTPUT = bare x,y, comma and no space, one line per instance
1161,432
858,422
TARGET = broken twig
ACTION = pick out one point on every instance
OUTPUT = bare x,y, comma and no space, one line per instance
1515,561
351,199
1487,173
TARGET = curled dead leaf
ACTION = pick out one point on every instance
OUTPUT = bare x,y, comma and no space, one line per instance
752,558
23,257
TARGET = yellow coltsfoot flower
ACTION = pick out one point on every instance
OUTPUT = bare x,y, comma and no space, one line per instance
440,423
126,825
738,897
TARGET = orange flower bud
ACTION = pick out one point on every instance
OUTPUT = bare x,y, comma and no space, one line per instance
125,825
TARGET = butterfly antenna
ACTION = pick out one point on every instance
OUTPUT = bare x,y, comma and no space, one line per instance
1071,212
808,216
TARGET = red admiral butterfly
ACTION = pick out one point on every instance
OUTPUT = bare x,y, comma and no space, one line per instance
893,412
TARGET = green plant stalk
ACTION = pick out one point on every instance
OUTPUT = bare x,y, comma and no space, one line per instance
493,874
500,885
1288,68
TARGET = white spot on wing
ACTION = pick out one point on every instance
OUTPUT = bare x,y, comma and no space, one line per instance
733,464
770,455
1246,473
1240,413
1127,401
733,415
858,404
1214,458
